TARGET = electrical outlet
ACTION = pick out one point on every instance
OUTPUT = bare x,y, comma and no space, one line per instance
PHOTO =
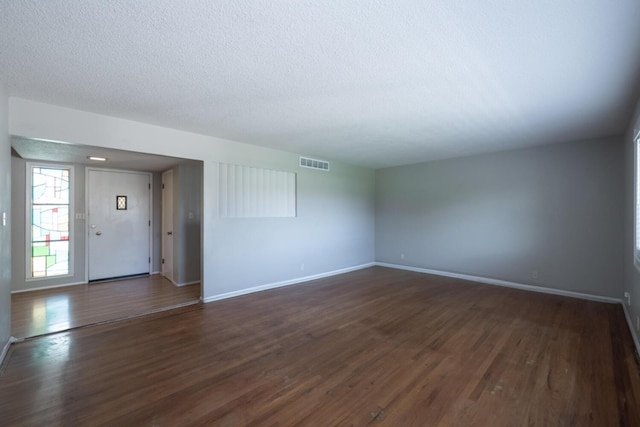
534,274
628,298
4,219
401,256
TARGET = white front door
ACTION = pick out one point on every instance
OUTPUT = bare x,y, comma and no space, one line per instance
119,225
167,224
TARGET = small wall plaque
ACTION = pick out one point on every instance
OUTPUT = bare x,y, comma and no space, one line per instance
121,203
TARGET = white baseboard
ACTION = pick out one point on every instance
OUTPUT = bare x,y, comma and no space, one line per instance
179,285
505,283
5,349
185,284
631,328
286,283
48,287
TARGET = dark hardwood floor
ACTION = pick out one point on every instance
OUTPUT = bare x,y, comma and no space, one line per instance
57,309
372,347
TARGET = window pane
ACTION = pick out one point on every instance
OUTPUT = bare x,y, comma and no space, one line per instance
38,267
50,221
58,259
50,259
50,186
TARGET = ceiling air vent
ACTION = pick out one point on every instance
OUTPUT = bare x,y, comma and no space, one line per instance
306,162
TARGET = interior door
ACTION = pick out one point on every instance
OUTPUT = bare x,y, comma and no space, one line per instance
167,225
119,223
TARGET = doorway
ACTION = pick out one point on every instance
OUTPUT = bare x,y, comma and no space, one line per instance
119,223
63,302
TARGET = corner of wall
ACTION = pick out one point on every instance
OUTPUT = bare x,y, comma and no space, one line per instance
5,224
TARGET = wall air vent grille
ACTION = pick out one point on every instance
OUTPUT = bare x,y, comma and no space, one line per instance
306,162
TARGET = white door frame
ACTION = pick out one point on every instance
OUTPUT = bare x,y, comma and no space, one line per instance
86,209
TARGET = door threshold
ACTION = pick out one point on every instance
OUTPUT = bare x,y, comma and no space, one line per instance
112,279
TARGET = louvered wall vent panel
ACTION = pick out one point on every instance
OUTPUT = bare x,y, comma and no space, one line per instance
306,162
247,192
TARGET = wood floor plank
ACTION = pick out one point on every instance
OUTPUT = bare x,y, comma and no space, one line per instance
53,310
372,347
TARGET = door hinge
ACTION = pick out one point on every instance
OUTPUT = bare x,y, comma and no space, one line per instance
149,260
163,260
149,223
163,186
149,186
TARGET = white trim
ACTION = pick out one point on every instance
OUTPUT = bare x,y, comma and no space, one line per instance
636,172
5,349
179,285
48,287
151,187
286,283
627,315
185,284
86,223
505,283
40,279
29,219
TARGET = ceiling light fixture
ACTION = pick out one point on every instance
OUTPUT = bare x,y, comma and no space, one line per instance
97,159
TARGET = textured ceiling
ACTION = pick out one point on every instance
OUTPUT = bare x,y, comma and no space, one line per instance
373,82
30,149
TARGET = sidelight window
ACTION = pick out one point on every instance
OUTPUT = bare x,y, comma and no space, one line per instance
49,201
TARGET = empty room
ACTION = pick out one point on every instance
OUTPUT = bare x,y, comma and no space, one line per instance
401,213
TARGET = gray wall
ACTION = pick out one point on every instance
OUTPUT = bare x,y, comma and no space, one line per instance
555,210
333,229
632,275
187,230
5,231
19,214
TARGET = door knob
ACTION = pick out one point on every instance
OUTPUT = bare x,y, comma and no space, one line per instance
98,233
